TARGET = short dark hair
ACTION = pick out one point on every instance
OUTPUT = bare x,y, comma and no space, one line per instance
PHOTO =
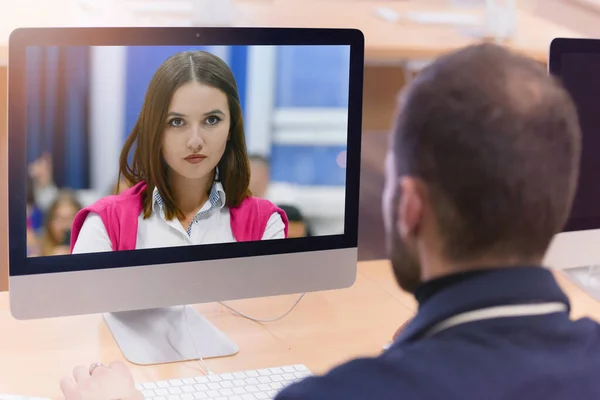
293,213
497,143
147,163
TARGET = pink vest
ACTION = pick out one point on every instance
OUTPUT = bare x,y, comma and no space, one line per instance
120,216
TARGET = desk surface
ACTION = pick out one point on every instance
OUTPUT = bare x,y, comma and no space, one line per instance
325,329
385,41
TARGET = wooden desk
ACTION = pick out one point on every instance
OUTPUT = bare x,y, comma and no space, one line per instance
326,328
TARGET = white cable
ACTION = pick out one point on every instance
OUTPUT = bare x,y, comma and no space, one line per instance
205,368
263,320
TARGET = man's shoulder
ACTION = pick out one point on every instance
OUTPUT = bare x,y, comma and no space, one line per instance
363,378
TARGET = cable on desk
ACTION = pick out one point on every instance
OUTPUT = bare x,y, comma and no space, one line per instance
205,368
263,320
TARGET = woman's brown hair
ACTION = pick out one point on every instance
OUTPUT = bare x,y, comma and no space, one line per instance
147,163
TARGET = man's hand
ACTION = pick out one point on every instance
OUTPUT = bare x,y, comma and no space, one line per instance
100,382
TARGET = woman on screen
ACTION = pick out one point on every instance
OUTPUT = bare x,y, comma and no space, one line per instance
189,169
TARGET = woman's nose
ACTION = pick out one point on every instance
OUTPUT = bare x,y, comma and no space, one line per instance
195,142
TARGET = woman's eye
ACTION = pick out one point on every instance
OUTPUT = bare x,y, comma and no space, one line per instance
176,122
213,120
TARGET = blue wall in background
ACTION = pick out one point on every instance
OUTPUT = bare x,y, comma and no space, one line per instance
312,76
308,165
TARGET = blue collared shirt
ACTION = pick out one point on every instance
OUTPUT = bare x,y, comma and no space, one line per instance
541,357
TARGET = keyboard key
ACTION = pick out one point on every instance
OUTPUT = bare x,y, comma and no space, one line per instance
188,389
300,368
239,390
261,396
277,378
264,387
189,381
252,374
163,384
276,385
215,378
200,396
252,381
173,397
228,377
226,384
264,379
186,396
176,382
289,377
289,369
175,390
213,394
159,398
248,396
202,379
276,371
239,382
162,392
251,389
264,372
214,386
201,387
240,375
150,385
226,392
302,375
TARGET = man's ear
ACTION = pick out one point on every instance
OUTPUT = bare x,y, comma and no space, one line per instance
410,208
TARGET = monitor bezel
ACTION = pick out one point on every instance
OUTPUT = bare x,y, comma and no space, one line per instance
21,265
558,48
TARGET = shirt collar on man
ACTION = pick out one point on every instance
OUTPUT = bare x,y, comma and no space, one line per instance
501,286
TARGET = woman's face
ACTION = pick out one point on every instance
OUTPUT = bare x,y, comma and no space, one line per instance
196,130
62,220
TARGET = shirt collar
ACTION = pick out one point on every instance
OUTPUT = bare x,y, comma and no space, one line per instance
502,286
216,199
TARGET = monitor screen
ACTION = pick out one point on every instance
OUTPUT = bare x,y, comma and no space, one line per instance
173,143
579,74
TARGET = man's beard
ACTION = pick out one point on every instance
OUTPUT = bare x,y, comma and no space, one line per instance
404,260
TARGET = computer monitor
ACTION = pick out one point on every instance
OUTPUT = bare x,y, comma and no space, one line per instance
576,63
191,106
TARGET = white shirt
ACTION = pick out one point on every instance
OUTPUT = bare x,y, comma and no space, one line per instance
211,225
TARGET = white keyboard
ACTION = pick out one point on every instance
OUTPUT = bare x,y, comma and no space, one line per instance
246,385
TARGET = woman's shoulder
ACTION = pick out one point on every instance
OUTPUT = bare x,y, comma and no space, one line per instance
256,202
130,197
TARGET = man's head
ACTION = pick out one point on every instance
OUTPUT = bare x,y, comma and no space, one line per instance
259,175
482,165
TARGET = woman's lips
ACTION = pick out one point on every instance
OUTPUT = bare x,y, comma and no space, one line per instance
195,158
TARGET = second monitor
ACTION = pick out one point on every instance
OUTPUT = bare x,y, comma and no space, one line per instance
136,160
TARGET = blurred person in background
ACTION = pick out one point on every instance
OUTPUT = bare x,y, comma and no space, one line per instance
298,226
60,215
260,175
44,188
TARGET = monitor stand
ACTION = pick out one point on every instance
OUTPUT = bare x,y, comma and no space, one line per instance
166,335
